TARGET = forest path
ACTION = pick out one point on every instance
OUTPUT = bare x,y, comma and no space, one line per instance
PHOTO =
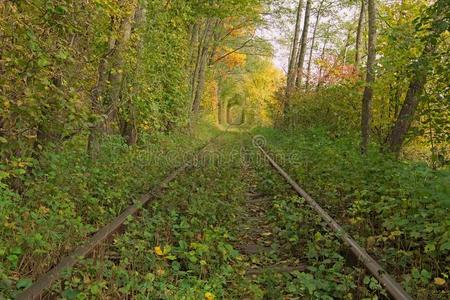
236,182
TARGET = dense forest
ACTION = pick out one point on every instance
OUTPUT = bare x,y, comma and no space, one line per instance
101,99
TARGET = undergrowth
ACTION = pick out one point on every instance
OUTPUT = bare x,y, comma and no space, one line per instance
181,247
66,197
398,210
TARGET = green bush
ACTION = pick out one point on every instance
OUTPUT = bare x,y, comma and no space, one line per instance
336,108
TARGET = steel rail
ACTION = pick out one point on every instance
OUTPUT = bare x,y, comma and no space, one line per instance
391,286
44,282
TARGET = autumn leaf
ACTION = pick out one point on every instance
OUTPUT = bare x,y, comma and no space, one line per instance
439,281
158,251
209,296
235,59
43,210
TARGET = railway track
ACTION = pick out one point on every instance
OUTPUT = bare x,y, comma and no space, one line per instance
388,282
38,289
255,203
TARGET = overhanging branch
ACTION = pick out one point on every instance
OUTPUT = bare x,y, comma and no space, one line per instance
233,51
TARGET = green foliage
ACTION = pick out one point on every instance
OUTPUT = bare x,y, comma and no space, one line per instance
326,277
413,38
223,9
158,86
398,210
51,58
335,108
68,68
71,197
42,46
178,248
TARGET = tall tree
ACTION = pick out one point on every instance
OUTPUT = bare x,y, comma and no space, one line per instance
109,85
346,46
370,78
117,71
313,42
322,58
127,119
303,44
97,96
199,75
359,34
403,123
291,77
435,22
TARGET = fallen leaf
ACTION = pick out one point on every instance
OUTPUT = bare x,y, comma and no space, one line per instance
159,251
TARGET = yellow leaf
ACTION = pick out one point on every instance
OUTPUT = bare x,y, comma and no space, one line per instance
439,281
43,210
9,225
86,279
160,272
159,251
22,164
209,296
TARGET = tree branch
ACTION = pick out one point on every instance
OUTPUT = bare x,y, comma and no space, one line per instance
231,52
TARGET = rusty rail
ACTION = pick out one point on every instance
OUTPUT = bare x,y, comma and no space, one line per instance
391,286
44,282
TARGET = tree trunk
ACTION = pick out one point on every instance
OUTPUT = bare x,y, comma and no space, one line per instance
128,120
97,93
322,57
200,81
347,44
293,59
396,101
100,90
313,42
128,128
216,36
229,118
219,102
117,69
201,65
223,111
403,123
195,54
370,78
193,41
302,52
359,34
